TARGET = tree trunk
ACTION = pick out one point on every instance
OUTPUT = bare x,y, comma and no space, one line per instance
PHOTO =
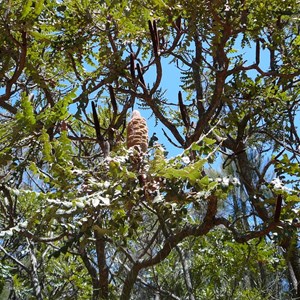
93,273
102,267
186,273
292,258
34,275
291,255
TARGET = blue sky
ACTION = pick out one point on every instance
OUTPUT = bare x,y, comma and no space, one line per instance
171,84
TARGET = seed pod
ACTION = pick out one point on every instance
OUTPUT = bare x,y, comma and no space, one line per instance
137,132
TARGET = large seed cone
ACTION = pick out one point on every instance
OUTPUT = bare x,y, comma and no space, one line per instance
137,132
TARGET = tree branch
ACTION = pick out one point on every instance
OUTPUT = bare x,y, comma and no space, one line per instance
15,260
169,244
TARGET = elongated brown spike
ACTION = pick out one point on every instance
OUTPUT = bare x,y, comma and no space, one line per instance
278,208
132,66
97,124
154,36
183,111
257,53
113,99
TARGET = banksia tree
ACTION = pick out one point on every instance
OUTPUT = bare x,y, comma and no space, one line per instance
137,132
82,218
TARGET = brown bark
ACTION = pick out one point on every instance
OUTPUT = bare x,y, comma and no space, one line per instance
291,255
103,269
93,273
169,244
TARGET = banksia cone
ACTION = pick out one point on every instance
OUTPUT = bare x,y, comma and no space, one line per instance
137,132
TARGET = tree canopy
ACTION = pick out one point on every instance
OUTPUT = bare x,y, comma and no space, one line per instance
84,217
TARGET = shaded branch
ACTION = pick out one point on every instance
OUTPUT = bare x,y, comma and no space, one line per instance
15,260
186,273
92,271
97,124
243,238
178,23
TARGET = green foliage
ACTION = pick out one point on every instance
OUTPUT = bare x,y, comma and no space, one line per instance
223,269
26,117
82,217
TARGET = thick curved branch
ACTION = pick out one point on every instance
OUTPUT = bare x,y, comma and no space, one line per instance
179,33
171,243
221,65
158,113
215,103
243,238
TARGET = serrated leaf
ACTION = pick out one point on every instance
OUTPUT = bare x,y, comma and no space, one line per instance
38,7
204,180
195,147
26,9
293,198
208,141
40,36
212,185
